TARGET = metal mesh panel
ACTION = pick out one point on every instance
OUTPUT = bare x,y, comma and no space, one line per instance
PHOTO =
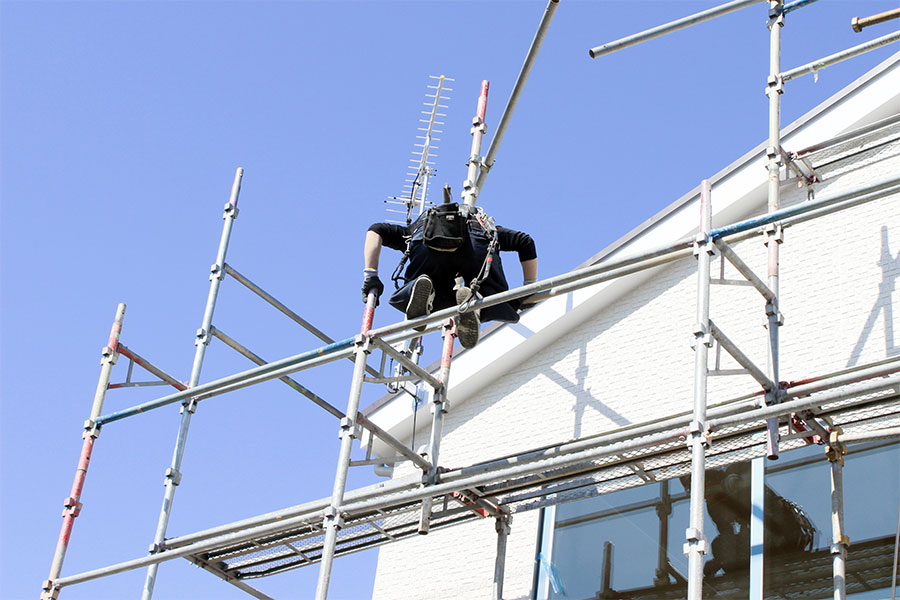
554,484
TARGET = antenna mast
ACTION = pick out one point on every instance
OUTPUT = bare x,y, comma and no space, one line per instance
421,168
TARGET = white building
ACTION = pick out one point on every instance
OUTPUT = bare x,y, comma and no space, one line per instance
618,354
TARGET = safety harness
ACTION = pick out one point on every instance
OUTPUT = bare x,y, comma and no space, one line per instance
443,229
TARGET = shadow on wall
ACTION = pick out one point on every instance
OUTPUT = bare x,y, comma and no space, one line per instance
579,388
890,269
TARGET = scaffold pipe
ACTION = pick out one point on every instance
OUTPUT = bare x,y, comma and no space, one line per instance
510,108
73,502
452,481
858,24
479,128
670,27
150,367
820,64
332,519
173,473
792,6
401,330
695,538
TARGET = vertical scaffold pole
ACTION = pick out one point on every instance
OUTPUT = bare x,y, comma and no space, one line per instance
663,510
695,548
839,541
73,502
479,128
774,237
502,525
438,407
332,521
173,473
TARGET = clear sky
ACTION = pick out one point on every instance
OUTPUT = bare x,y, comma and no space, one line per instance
122,125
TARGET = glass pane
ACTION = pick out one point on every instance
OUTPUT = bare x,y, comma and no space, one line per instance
799,492
610,546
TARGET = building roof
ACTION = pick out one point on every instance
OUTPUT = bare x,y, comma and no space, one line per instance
739,191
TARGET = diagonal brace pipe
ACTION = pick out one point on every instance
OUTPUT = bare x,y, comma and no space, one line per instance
745,270
742,358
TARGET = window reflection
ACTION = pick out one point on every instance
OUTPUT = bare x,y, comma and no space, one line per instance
629,544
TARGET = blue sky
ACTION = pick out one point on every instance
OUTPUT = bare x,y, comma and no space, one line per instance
121,126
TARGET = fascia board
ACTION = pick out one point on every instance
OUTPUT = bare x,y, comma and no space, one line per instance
738,191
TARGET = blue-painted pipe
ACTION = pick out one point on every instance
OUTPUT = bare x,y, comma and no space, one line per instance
792,6
799,209
225,381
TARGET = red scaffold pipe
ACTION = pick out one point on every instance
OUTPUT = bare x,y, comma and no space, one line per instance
482,100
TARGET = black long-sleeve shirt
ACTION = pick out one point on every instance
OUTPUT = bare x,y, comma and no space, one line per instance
395,236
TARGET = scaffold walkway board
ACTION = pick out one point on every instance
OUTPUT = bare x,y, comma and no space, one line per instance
617,460
793,575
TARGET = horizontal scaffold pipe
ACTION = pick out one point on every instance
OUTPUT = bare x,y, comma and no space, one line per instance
662,30
453,481
837,57
333,351
572,281
807,402
734,406
792,6
232,272
888,433
321,402
799,209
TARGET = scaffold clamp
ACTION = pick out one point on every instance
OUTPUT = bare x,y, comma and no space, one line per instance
332,518
772,311
230,211
702,335
775,83
50,590
173,475
72,507
695,539
108,355
202,337
839,546
349,427
91,429
216,272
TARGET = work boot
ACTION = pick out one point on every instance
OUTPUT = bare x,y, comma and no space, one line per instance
421,298
468,325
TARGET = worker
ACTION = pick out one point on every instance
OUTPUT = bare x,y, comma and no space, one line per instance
447,242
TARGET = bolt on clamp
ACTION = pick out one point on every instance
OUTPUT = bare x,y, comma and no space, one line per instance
695,539
108,356
840,545
90,429
775,83
50,591
173,475
349,427
363,341
216,272
72,507
230,211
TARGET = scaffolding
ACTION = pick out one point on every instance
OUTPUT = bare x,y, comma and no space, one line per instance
844,407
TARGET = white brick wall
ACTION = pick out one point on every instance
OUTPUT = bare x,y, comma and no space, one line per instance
633,362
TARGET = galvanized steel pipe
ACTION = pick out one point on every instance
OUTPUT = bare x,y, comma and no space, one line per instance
832,59
662,30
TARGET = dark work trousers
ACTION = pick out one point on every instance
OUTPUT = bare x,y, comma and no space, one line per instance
443,268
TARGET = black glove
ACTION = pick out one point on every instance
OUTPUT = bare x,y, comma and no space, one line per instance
371,283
